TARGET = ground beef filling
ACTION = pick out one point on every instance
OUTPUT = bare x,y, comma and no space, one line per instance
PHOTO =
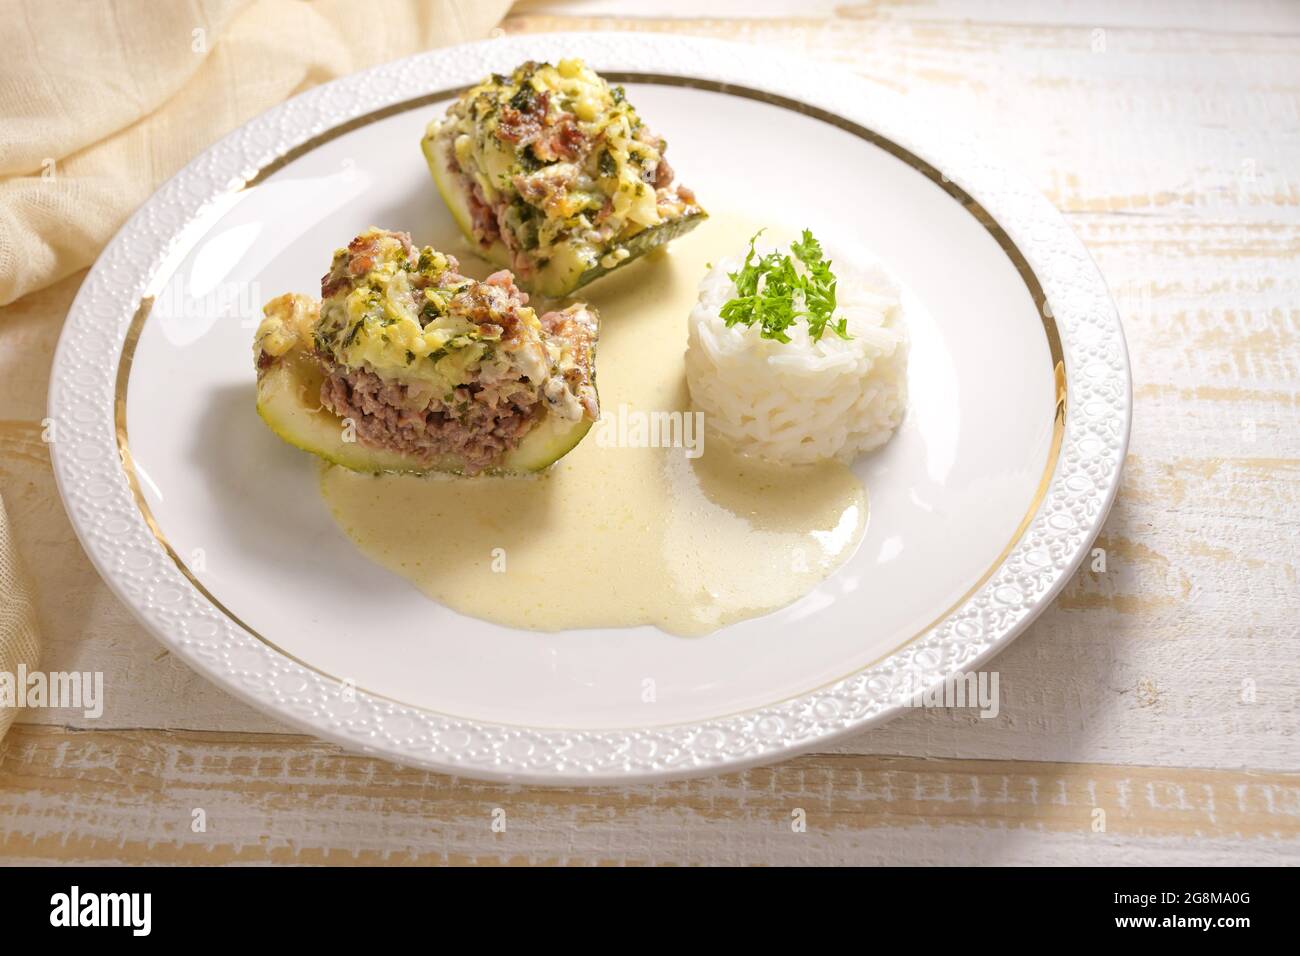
473,428
473,425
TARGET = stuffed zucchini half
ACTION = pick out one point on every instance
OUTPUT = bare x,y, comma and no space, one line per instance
551,173
405,365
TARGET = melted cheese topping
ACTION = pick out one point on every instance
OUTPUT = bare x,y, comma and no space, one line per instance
385,324
411,318
577,210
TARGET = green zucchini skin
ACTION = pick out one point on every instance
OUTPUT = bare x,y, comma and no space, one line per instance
646,241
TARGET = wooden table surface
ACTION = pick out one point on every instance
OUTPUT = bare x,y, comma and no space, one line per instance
1162,690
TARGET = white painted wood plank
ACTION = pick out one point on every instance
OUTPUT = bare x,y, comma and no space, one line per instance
1256,16
130,798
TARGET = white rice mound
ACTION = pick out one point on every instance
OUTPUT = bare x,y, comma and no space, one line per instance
802,401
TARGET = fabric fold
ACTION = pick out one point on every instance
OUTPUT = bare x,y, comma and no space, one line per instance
102,102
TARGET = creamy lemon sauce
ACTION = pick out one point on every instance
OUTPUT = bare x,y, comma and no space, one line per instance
616,536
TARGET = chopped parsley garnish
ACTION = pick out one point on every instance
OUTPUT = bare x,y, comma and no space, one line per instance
774,293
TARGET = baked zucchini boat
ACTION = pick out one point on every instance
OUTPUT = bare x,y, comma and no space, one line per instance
406,365
551,172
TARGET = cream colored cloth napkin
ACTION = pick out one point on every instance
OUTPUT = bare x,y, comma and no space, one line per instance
102,100
18,644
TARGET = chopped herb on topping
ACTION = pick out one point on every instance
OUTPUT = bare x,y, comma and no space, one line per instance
410,356
528,162
431,309
525,99
774,293
606,164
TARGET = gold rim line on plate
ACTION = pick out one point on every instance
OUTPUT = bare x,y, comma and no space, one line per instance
928,170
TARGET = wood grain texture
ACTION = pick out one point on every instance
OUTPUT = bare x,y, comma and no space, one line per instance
1162,689
132,796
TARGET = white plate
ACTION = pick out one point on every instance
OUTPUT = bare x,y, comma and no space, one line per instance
213,532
